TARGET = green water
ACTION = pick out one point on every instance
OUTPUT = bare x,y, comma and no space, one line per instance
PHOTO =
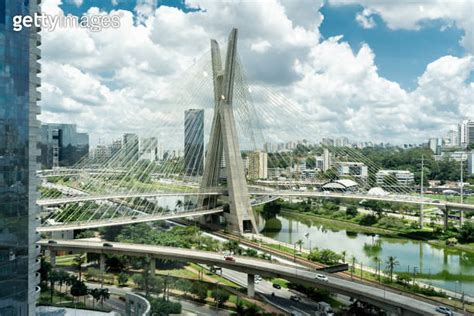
446,268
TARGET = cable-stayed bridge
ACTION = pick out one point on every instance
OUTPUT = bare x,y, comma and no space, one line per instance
122,188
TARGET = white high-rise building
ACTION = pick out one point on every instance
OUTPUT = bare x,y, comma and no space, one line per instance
258,165
470,163
435,145
451,139
466,133
341,142
469,133
149,149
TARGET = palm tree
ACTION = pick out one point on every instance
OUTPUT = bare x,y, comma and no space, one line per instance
391,263
53,277
62,279
377,260
299,243
95,295
79,260
104,294
353,259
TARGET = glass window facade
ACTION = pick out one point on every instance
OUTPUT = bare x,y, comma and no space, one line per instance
17,172
194,142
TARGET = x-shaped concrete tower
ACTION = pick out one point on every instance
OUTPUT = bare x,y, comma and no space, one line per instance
224,141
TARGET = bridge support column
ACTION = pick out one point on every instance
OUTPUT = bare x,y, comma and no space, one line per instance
52,257
223,142
152,266
461,217
250,285
102,263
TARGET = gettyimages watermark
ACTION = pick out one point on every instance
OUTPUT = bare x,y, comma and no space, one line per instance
94,23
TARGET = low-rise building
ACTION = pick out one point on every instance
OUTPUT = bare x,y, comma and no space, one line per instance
394,178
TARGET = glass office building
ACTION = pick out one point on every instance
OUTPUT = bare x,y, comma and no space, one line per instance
194,142
19,128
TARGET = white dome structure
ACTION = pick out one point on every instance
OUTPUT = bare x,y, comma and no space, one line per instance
377,191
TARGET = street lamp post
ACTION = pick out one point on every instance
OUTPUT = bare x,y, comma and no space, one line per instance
308,240
421,189
462,193
217,301
294,252
414,274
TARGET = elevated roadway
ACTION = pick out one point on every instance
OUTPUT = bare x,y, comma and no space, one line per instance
126,220
296,194
394,303
85,198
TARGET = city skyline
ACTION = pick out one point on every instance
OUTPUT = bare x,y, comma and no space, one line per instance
362,99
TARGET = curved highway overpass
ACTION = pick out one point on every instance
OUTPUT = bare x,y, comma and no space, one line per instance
394,303
84,198
124,220
356,196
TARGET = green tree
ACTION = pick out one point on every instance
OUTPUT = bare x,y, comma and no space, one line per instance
220,296
95,295
232,246
179,204
184,285
44,271
271,209
326,256
62,278
351,211
104,295
466,233
164,308
79,260
299,243
122,279
53,277
93,274
250,252
390,265
377,262
78,288
199,290
344,254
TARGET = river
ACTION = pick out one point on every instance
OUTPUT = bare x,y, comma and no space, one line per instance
442,267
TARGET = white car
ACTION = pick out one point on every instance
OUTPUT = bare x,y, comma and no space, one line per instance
321,277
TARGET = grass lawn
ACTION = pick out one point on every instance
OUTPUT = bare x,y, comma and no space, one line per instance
65,261
282,282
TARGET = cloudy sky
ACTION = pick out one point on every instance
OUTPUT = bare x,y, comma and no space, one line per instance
381,70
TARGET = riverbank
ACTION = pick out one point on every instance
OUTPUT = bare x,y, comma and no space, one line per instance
345,224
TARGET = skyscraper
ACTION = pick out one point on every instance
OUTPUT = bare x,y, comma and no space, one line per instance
62,145
130,149
19,130
194,142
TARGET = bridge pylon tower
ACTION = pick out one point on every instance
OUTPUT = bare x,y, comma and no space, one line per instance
223,141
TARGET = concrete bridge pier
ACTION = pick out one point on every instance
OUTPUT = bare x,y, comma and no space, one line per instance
102,263
102,269
445,219
52,257
250,285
